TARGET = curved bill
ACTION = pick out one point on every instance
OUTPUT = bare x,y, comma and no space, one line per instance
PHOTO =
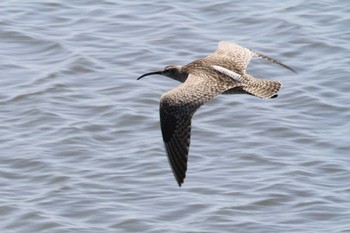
151,73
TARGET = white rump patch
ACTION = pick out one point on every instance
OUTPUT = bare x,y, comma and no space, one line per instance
230,73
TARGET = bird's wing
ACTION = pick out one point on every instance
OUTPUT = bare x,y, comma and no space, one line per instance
177,107
235,57
231,56
261,55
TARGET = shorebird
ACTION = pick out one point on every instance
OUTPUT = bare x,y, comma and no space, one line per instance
223,72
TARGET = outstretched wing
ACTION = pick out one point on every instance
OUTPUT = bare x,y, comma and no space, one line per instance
176,133
235,57
261,55
231,56
177,107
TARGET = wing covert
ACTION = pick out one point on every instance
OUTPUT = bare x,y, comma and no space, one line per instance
177,107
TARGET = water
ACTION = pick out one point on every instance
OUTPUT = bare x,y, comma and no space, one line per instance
81,148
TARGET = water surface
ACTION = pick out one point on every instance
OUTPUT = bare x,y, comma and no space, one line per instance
81,148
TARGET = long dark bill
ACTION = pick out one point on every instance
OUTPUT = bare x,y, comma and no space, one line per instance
151,73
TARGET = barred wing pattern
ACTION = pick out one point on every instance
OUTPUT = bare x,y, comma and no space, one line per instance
177,107
236,58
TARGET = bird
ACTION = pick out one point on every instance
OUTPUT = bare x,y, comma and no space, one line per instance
222,72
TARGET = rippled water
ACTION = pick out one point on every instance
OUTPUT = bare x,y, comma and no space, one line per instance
81,149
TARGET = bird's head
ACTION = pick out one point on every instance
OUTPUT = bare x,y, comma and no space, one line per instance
172,71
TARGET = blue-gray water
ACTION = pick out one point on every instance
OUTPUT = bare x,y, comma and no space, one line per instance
80,144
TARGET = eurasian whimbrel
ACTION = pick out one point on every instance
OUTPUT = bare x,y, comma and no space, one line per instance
223,72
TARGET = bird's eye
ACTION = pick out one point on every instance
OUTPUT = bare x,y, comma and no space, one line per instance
168,69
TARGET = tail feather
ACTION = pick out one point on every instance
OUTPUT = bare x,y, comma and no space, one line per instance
262,88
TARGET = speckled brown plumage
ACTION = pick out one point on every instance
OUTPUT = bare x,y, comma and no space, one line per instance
223,72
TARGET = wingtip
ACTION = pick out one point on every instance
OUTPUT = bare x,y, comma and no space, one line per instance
261,55
288,67
180,181
293,70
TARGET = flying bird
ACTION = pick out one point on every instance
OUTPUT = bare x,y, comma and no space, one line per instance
222,72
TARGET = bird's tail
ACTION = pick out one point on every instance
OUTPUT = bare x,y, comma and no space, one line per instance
262,88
